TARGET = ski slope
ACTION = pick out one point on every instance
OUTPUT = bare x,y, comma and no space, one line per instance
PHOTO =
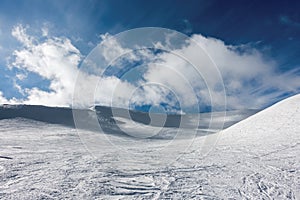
257,158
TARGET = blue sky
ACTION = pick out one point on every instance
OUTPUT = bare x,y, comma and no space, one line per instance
271,27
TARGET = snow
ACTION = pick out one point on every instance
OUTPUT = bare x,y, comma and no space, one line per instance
257,158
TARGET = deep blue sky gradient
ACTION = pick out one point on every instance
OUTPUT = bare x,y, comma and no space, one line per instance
271,26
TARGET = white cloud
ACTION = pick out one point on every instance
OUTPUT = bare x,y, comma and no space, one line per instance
3,100
247,75
171,73
110,49
19,32
45,31
21,76
18,87
55,59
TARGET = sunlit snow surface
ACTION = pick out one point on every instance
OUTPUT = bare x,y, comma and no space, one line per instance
257,158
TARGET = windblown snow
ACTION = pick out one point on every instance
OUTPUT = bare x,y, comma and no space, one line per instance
257,158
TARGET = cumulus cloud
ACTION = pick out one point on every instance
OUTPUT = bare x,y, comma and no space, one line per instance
54,59
250,80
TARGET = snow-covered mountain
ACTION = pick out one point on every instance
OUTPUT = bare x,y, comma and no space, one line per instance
107,117
257,158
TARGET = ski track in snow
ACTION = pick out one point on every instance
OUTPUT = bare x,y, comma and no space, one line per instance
257,158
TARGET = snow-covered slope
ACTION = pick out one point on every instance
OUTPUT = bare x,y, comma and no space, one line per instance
260,155
258,158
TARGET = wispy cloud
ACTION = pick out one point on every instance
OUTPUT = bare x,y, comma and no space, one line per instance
286,20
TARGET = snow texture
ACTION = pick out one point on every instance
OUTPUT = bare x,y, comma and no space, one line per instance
257,158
